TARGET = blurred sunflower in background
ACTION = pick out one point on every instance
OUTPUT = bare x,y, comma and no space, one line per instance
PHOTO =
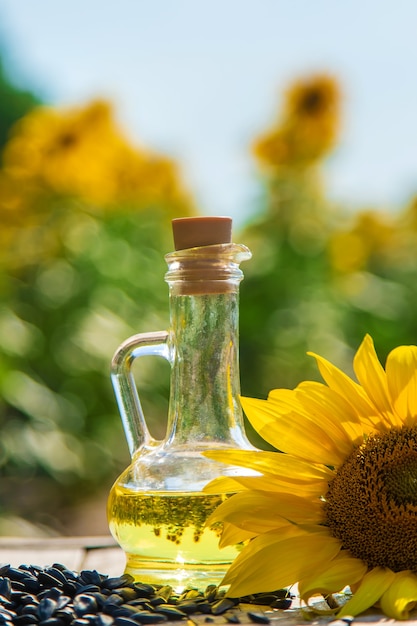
62,163
339,507
307,127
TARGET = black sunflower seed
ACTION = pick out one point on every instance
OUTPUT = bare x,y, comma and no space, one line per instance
223,605
281,603
16,574
18,585
69,575
49,580
171,612
139,602
210,592
53,593
46,608
145,617
57,573
144,590
204,606
28,598
92,577
127,593
67,615
52,621
87,588
157,600
25,620
81,621
165,592
62,602
6,613
120,581
125,610
84,603
258,618
5,587
6,602
124,621
69,588
188,607
103,620
29,609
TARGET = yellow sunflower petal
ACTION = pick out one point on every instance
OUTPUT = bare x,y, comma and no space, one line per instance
279,559
276,485
261,512
348,389
304,403
332,411
274,463
291,432
281,472
401,596
341,572
374,584
231,535
249,552
401,368
373,379
321,401
223,484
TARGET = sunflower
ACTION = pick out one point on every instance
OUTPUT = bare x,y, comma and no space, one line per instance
338,507
306,129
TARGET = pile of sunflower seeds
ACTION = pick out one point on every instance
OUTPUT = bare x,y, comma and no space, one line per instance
55,596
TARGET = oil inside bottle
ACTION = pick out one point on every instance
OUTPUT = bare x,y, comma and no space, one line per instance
165,537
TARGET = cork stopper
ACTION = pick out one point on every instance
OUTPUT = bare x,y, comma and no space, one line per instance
194,232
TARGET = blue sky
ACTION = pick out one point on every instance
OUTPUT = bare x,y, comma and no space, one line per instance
199,79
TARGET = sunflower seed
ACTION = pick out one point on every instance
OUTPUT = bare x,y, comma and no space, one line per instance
120,581
46,608
52,621
171,612
84,603
258,618
31,609
223,605
55,596
145,617
25,620
281,603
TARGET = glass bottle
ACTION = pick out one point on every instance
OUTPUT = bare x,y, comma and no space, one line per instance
156,508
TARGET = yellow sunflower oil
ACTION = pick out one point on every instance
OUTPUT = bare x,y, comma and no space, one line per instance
165,537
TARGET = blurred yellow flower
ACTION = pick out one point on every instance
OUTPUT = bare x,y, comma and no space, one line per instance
366,242
307,128
81,153
338,506
58,163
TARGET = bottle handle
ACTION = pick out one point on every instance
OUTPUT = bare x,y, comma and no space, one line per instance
127,397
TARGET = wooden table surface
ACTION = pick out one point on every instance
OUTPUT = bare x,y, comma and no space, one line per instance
77,553
103,555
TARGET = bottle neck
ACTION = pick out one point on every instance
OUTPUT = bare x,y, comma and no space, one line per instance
205,383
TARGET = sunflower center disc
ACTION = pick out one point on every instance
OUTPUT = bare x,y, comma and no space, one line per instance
371,504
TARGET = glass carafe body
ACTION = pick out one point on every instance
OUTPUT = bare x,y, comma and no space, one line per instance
157,509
